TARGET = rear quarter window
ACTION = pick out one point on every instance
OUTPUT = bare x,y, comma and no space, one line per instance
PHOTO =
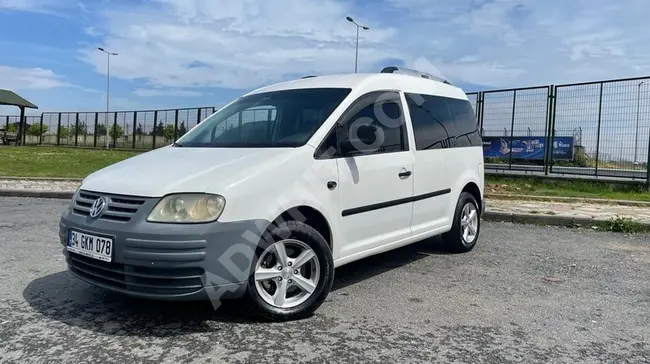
467,131
442,122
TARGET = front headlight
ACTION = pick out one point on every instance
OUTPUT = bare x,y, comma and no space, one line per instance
188,208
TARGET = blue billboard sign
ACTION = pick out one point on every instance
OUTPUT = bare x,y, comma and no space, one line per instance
529,147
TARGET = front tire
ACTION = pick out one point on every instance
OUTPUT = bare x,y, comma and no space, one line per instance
466,227
292,274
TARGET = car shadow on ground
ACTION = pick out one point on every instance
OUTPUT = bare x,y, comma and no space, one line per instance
64,298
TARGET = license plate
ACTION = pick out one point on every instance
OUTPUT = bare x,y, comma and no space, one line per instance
92,246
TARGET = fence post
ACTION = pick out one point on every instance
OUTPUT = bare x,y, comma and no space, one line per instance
512,127
198,116
7,123
95,131
552,129
135,119
108,132
479,111
76,130
547,133
175,125
40,136
58,131
155,128
647,165
600,113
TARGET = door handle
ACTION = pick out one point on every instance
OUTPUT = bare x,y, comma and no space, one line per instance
405,174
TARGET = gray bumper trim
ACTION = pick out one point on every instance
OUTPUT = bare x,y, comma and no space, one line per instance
167,261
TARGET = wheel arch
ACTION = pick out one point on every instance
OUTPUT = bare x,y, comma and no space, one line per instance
310,216
473,189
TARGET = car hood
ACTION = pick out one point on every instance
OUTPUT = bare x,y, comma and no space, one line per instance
174,170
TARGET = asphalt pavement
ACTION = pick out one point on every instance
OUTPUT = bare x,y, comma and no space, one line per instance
525,294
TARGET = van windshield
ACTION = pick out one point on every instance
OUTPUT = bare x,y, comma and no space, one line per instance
285,118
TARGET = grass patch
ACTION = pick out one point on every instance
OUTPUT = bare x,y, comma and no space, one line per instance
56,162
565,188
78,163
621,225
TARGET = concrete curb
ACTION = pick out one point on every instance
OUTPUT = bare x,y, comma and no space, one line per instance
550,220
57,179
64,195
599,201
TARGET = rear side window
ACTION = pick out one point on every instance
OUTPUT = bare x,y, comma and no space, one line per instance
466,125
433,125
442,122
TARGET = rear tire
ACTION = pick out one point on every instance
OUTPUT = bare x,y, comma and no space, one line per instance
466,227
273,272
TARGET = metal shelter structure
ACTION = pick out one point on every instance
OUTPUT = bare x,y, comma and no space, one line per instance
10,98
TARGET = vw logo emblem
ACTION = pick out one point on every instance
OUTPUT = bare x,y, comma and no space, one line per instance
98,207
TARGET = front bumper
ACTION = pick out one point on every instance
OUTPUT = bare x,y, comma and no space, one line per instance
166,261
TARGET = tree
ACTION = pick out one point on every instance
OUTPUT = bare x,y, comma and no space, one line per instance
63,132
36,130
12,128
79,129
139,132
100,130
159,131
168,132
182,130
116,131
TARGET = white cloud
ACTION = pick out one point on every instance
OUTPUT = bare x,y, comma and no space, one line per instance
179,43
524,42
156,92
14,78
26,4
244,44
52,7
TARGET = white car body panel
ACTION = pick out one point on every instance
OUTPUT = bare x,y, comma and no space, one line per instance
262,183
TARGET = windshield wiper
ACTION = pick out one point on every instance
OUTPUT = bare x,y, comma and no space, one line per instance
178,145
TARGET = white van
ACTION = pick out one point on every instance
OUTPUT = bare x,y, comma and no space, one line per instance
267,196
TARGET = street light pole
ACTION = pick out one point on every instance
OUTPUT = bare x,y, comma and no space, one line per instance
108,88
356,53
636,136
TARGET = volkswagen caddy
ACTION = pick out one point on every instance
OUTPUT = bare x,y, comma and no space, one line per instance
264,198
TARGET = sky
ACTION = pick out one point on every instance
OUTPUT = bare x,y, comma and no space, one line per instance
204,53
187,53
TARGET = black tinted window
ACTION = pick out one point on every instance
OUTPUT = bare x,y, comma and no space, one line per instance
327,149
432,124
375,125
465,120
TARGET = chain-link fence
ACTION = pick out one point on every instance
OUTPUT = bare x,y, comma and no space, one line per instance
599,129
593,129
145,129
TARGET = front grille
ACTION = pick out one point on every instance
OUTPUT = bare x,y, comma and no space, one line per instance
119,208
156,281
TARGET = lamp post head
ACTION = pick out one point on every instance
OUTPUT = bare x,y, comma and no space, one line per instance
101,49
365,27
349,19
